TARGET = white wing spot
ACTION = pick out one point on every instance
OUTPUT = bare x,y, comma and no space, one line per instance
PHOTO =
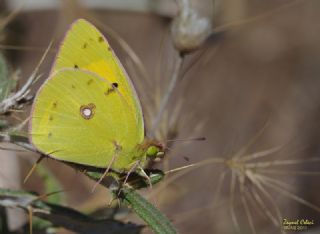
87,111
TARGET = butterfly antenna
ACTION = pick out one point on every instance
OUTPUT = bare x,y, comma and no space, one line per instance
183,140
33,168
187,139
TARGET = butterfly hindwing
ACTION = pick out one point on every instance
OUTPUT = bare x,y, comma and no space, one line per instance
80,117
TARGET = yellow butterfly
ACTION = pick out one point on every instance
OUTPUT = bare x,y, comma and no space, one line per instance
87,111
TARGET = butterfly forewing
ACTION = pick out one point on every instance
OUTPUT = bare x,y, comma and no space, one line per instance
84,47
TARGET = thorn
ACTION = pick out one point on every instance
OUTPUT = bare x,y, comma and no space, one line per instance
33,168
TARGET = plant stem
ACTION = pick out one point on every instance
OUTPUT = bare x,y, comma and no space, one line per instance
167,95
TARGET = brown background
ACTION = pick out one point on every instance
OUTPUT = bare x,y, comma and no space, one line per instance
265,71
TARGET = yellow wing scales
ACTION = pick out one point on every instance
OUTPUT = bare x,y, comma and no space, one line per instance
58,125
88,108
85,47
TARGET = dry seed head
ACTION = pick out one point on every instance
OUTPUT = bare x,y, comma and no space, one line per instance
189,30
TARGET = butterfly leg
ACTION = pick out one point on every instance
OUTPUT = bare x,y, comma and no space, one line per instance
104,173
134,166
143,174
117,150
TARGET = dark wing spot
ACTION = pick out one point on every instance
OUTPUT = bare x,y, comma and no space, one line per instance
117,146
90,82
112,89
76,66
50,134
72,86
84,45
109,48
100,39
108,91
54,105
51,118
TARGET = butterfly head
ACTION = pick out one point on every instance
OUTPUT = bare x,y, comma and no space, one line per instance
154,150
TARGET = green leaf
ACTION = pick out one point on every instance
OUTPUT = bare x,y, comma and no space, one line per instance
157,221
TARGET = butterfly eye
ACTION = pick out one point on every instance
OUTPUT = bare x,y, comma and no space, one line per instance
152,151
115,85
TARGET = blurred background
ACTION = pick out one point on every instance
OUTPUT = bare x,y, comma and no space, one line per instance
248,82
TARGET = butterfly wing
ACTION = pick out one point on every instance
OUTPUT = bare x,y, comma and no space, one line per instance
80,117
84,47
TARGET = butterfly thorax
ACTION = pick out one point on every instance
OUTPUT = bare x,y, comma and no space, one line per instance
126,158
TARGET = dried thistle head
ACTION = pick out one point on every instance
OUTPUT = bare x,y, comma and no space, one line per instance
189,29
